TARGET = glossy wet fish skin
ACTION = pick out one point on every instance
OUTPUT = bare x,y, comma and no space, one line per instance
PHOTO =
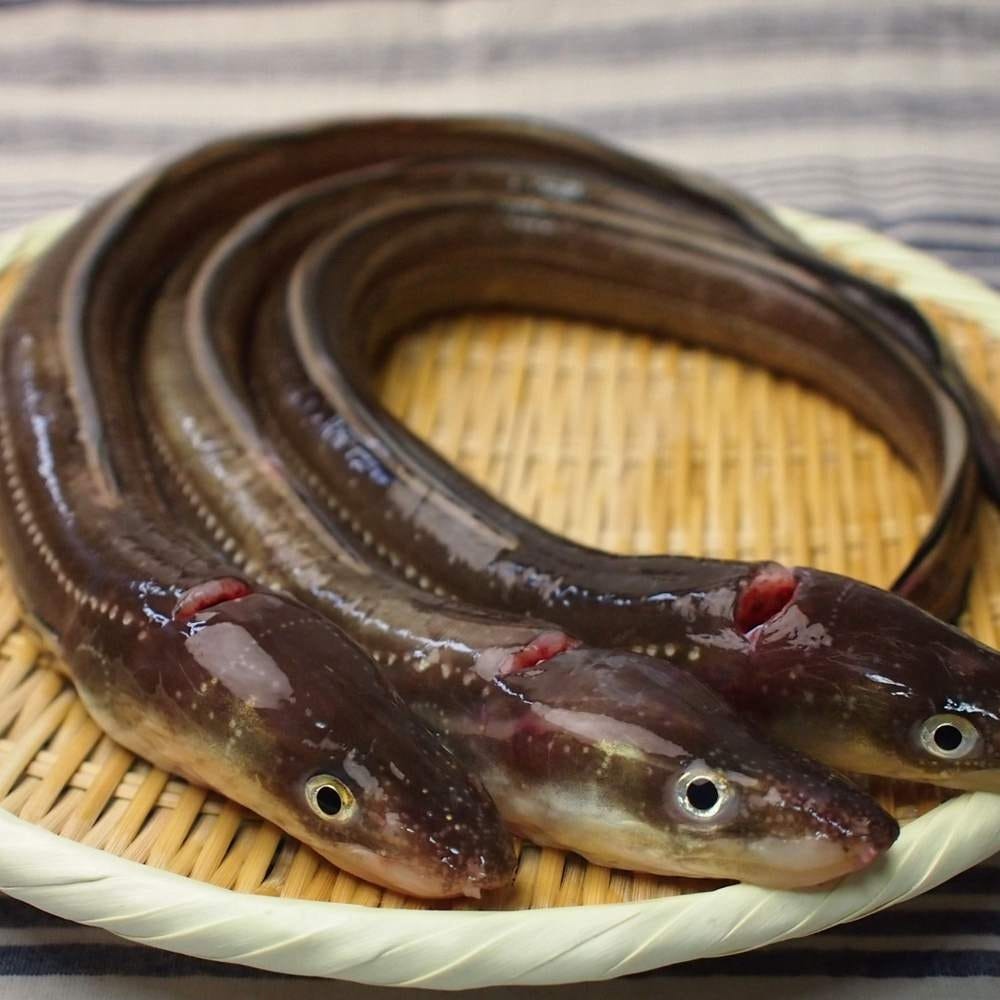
308,158
420,824
387,461
654,604
254,697
849,674
104,569
663,622
239,173
604,744
802,329
234,176
554,785
580,748
847,649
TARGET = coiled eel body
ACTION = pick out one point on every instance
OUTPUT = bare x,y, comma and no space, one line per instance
319,279
174,653
601,752
580,245
610,753
519,215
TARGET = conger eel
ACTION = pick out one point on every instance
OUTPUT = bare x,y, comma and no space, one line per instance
314,246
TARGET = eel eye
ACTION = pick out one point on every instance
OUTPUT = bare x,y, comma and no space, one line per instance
703,794
330,798
950,737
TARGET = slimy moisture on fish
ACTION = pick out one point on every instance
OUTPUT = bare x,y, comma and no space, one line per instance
314,495
401,507
625,760
179,658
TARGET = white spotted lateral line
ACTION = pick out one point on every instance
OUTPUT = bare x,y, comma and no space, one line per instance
29,524
344,514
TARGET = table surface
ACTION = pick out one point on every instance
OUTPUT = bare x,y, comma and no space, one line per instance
887,114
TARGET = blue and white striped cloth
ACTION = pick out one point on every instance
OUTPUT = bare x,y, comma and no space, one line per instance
943,944
887,113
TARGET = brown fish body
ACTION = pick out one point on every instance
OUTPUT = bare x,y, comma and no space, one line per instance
422,520
397,504
174,653
582,748
543,243
159,222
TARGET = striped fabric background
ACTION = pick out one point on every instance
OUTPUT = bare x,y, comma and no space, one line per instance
886,113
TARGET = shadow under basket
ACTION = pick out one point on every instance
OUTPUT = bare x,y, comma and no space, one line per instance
612,439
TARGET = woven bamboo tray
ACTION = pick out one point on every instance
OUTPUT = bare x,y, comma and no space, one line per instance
613,439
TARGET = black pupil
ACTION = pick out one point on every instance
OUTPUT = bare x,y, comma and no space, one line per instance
328,799
702,794
948,737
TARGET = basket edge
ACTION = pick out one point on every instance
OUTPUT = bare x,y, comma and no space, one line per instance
512,947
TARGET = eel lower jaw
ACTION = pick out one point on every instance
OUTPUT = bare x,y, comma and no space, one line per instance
779,863
429,880
986,779
969,781
769,862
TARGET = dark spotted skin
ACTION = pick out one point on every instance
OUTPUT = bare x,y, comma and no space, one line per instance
162,223
602,254
866,669
175,655
605,685
625,728
390,501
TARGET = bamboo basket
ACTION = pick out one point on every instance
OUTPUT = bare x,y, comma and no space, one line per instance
613,439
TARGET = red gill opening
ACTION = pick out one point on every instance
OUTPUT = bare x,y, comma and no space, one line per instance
767,593
207,595
543,647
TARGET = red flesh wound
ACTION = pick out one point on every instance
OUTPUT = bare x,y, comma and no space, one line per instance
206,595
764,596
543,647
